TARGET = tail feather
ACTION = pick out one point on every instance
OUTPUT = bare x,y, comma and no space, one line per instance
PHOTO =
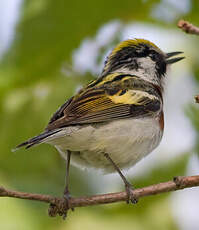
36,140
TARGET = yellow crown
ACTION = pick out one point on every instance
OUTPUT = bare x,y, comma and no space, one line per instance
132,42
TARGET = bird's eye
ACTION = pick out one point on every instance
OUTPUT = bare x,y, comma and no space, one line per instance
154,56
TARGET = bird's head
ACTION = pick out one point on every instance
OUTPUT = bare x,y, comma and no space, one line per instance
140,57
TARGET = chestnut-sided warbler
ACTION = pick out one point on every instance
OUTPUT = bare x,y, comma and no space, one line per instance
116,120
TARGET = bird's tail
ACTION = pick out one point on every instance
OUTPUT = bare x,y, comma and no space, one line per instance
36,140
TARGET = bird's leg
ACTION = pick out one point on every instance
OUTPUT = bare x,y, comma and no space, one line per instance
63,206
128,186
67,195
66,189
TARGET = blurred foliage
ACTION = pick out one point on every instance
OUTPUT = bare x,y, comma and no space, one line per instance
32,87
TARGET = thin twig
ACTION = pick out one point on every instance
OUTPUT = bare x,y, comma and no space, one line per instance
177,184
188,27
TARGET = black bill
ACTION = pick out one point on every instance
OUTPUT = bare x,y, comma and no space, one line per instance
173,60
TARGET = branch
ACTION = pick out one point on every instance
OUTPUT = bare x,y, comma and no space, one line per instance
197,98
188,27
57,203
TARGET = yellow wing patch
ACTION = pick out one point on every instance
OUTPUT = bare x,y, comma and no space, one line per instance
132,97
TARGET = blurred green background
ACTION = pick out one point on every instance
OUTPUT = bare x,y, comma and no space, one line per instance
39,70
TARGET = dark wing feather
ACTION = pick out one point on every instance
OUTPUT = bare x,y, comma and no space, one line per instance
60,112
36,140
96,105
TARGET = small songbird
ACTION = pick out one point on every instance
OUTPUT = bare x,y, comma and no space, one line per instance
116,120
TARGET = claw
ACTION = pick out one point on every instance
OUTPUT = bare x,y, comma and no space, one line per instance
60,207
67,197
130,196
65,208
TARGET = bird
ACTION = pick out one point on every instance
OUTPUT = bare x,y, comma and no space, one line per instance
117,119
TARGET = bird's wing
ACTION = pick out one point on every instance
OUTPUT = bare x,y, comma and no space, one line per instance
105,103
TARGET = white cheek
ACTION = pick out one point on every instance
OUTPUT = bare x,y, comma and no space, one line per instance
147,69
147,65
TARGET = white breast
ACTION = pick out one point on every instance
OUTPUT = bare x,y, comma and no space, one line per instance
125,140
